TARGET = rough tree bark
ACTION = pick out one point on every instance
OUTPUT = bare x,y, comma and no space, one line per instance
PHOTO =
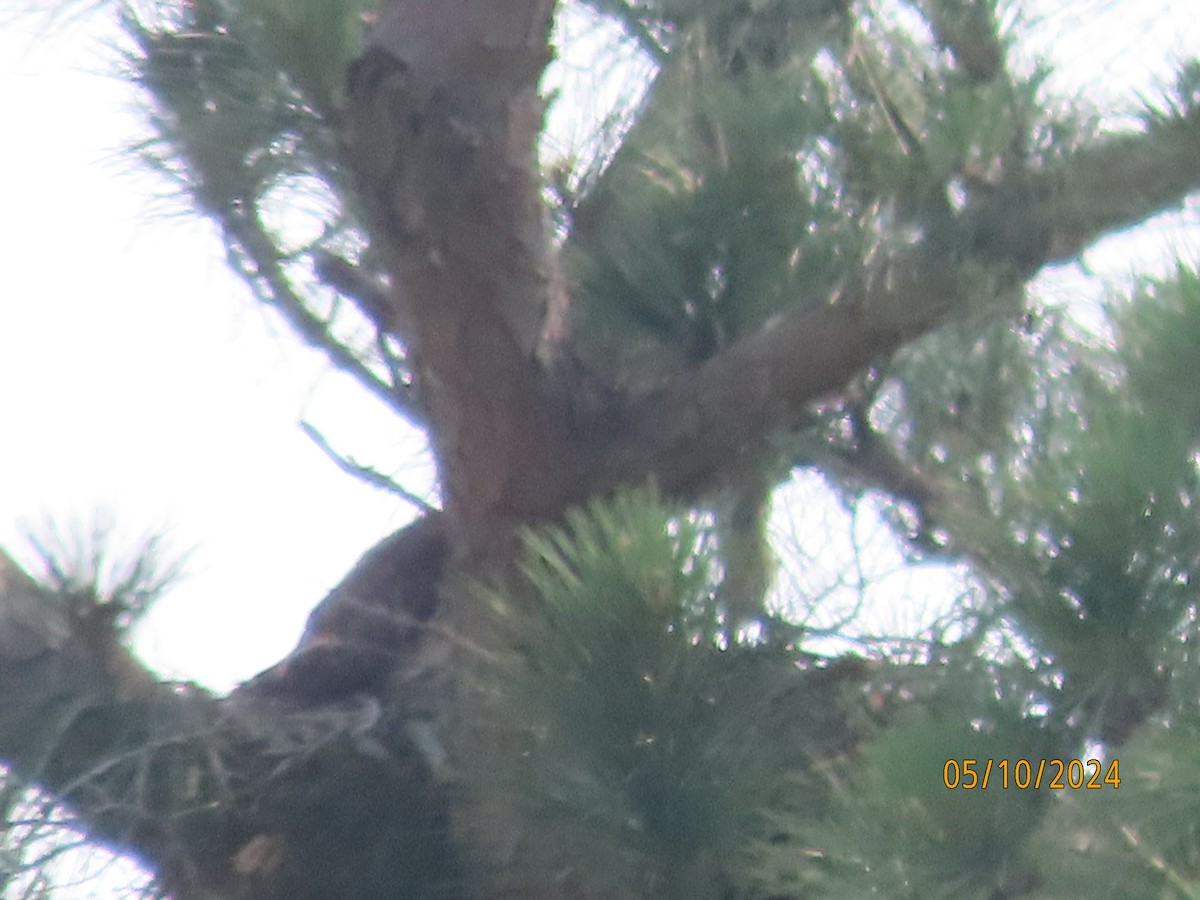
339,773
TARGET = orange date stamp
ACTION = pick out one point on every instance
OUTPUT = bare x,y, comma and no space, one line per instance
1023,774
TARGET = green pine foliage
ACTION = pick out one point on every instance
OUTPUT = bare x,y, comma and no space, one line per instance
701,226
1083,517
646,728
630,730
83,565
238,103
645,718
1140,840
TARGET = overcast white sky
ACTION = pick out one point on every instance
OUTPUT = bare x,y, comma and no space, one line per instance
137,375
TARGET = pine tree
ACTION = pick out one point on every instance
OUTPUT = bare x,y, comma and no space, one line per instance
806,248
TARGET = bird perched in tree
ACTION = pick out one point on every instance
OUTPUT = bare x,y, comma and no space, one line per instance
359,633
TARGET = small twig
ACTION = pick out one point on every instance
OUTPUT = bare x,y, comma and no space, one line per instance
371,476
256,259
351,281
401,378
634,26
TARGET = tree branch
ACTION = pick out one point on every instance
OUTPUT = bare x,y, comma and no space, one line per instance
257,260
685,432
633,25
349,280
232,797
1051,216
371,476
83,720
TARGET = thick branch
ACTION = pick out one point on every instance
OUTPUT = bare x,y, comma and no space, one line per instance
233,798
81,719
1122,182
1051,216
686,432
